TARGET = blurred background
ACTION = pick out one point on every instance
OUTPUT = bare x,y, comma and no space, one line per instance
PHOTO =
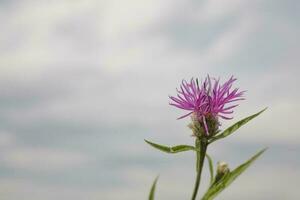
82,83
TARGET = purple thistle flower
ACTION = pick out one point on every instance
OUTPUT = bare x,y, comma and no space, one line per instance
190,97
207,102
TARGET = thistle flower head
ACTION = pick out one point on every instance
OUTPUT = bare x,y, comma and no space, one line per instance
207,101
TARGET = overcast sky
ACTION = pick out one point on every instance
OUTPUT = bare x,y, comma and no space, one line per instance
82,83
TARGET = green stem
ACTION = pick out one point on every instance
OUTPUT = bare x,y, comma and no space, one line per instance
200,161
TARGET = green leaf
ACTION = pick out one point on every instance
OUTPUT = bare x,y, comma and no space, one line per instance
211,168
174,149
225,181
235,126
152,191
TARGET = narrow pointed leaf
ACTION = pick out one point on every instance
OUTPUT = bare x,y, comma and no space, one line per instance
225,181
211,168
235,126
152,191
174,149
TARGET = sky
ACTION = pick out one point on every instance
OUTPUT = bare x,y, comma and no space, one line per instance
83,83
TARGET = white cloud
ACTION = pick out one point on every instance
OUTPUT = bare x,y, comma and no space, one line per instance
122,18
6,139
213,10
231,41
15,189
42,159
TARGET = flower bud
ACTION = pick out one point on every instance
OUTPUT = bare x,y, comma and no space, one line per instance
222,170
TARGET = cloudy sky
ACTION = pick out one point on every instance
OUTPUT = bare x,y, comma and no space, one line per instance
82,83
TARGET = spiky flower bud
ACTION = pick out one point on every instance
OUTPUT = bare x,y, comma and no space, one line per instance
196,126
222,170
199,126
